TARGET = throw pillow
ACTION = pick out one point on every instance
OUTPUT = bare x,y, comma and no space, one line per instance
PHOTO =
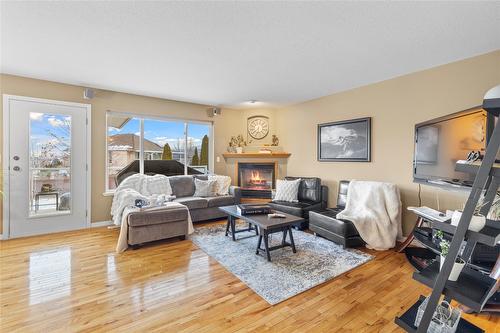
287,190
223,184
204,188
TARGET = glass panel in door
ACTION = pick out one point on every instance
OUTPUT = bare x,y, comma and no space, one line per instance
49,164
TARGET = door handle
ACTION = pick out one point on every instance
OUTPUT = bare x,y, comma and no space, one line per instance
16,168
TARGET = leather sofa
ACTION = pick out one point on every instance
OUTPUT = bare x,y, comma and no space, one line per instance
326,224
312,197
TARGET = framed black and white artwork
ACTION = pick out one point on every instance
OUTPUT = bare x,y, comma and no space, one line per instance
347,140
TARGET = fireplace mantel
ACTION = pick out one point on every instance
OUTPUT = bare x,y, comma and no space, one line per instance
257,155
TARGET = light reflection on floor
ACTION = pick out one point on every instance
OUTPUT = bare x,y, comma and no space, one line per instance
49,275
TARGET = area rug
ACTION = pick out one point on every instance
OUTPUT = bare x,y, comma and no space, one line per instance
317,260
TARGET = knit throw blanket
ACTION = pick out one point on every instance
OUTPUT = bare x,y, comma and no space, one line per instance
375,210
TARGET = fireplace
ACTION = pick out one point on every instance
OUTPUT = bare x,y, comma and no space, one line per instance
257,180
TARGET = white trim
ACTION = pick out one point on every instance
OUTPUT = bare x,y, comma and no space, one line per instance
186,134
101,224
109,193
6,153
141,146
6,167
157,117
88,167
1,237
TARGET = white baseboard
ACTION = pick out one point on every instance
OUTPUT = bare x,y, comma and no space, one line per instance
101,224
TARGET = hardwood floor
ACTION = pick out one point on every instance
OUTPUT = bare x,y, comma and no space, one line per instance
75,281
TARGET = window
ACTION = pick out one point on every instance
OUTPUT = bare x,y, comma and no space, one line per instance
123,145
135,139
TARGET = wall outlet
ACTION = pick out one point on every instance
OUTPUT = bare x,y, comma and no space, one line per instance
217,159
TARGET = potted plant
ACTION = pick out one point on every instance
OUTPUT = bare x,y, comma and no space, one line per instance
437,236
478,221
457,266
237,143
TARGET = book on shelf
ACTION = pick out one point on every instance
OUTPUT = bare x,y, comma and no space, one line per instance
247,209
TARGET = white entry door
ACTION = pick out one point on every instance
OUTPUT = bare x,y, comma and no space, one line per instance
46,154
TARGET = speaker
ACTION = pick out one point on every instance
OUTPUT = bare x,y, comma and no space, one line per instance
214,112
88,93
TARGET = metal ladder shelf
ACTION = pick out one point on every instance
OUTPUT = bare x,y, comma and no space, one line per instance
472,289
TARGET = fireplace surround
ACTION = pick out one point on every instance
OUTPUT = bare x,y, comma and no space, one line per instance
256,179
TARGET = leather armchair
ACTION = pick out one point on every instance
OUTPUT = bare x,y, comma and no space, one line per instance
327,225
312,196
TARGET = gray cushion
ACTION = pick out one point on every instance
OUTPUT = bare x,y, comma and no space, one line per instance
225,200
205,188
157,216
193,202
182,186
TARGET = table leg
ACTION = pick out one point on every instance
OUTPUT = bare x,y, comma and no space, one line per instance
259,242
228,224
233,228
291,240
266,245
283,241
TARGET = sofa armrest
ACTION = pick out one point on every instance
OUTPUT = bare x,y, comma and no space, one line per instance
236,192
324,196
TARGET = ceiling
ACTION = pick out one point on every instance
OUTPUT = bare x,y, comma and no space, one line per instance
227,53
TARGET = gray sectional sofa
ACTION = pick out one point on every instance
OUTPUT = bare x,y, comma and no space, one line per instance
159,224
202,209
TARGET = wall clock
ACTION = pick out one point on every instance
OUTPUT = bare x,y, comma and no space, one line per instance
258,127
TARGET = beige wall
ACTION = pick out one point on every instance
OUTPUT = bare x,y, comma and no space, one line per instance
395,106
229,123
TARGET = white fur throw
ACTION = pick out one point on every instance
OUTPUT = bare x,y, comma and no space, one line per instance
375,210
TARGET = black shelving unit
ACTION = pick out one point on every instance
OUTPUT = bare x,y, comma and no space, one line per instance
407,320
473,288
489,235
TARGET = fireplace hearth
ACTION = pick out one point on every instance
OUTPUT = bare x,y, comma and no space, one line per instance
257,180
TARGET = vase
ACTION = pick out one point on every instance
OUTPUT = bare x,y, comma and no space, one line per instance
477,222
239,150
455,270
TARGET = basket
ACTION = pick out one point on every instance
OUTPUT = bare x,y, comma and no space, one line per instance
444,320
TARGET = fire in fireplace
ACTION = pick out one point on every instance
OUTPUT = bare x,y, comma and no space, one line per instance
256,179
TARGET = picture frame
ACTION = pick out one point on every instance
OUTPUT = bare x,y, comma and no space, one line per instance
345,141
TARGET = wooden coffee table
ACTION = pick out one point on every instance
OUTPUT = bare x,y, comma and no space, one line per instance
266,226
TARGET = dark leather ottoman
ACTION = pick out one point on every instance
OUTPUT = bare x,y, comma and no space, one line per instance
339,231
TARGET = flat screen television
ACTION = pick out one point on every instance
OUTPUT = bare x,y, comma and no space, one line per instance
441,142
